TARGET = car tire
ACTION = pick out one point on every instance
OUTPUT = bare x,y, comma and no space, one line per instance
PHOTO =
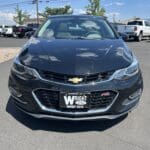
14,35
139,38
20,36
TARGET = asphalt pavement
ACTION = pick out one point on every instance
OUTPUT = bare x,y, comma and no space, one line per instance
12,42
21,132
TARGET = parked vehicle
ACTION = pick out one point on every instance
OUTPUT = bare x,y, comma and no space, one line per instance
30,33
115,25
1,28
136,29
20,31
8,30
76,68
124,36
34,26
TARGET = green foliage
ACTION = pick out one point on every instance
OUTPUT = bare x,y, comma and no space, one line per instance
56,11
21,16
94,8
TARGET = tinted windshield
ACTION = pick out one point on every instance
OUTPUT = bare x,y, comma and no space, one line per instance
76,28
135,23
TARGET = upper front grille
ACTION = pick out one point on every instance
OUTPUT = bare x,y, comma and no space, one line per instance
65,78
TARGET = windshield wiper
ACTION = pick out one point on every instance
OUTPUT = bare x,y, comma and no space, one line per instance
80,37
85,38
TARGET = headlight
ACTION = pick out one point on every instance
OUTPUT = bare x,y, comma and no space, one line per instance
24,72
128,72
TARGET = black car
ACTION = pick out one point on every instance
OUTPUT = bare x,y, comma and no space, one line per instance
34,27
76,68
20,31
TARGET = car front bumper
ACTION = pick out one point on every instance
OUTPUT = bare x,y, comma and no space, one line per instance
132,34
22,92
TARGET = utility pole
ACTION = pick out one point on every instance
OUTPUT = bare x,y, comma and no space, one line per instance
37,9
114,18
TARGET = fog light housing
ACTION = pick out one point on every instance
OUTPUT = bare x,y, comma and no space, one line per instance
15,92
135,94
17,96
132,98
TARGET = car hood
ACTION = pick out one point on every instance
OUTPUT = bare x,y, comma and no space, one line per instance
76,57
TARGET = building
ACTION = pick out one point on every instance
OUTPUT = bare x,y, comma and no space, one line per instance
34,21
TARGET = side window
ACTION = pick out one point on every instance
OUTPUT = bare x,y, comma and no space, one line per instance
140,23
147,23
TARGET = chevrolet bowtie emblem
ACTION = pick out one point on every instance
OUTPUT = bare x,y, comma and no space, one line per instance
75,80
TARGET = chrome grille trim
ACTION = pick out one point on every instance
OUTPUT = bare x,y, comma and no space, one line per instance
64,78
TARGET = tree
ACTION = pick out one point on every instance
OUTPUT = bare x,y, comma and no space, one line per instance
56,11
21,16
94,8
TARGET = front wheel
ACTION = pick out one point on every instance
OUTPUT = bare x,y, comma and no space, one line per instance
20,36
139,38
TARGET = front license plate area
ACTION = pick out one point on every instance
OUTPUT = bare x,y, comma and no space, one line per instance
74,101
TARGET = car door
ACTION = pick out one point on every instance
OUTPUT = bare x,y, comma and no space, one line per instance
1,29
147,28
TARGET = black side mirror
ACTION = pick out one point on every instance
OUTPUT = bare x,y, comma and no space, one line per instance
124,36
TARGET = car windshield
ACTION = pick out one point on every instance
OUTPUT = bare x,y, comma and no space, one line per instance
135,23
76,28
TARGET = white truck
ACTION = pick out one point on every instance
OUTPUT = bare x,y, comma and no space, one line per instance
136,29
8,31
1,28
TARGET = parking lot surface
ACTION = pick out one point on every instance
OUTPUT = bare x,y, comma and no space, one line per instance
21,132
12,42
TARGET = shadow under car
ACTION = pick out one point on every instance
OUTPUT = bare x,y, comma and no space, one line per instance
57,125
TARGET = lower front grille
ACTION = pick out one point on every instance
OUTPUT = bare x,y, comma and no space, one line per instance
98,100
49,99
102,99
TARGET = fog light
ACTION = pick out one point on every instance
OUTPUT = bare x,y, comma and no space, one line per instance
132,98
15,92
135,94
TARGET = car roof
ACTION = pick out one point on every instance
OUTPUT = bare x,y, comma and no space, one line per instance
135,20
77,16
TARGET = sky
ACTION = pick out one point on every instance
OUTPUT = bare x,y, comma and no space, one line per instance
121,9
